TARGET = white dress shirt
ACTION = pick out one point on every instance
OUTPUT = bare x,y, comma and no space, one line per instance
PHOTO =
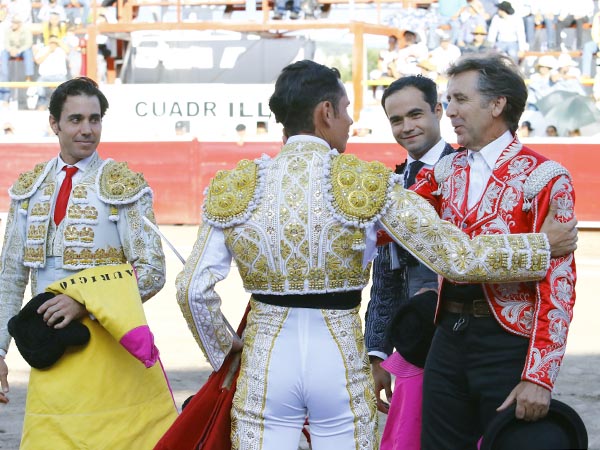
482,164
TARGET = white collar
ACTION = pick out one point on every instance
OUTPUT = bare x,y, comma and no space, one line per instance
492,151
432,156
81,165
307,138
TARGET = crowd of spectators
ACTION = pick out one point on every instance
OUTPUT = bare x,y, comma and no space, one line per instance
42,41
555,43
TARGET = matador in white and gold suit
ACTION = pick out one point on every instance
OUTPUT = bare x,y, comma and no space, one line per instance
77,226
301,228
103,227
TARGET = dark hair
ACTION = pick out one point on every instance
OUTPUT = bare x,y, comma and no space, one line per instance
527,124
300,87
498,77
71,88
409,35
426,85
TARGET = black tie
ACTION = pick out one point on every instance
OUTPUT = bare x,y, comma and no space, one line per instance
413,169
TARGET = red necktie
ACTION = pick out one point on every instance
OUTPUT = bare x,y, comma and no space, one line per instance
60,209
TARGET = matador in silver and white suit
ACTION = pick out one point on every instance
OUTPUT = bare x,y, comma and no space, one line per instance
301,228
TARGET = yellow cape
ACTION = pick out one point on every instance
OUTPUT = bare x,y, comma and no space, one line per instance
100,396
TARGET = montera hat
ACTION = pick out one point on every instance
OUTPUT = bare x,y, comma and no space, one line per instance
506,7
562,428
39,344
411,329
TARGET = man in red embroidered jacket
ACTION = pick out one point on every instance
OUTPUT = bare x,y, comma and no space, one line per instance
495,344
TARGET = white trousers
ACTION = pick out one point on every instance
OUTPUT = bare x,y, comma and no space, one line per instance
303,363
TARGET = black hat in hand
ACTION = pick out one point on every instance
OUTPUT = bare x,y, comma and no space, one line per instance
411,330
562,428
39,344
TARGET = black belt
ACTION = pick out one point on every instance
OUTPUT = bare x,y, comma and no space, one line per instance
475,308
465,299
462,292
328,300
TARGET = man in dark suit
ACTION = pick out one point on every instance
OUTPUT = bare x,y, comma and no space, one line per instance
412,107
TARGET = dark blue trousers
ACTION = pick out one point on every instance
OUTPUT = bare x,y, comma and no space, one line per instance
468,374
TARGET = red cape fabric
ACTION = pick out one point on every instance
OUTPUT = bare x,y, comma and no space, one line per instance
205,423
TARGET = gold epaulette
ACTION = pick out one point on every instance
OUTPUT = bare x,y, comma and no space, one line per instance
120,185
28,182
359,188
230,194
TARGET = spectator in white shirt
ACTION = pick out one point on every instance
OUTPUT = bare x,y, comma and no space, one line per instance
385,62
20,8
566,76
410,55
51,7
445,54
507,32
540,83
52,66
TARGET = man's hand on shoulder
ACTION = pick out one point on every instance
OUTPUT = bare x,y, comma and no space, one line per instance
561,236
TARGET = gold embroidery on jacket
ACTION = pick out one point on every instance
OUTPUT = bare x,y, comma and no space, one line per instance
27,179
359,187
41,209
78,212
118,183
88,257
79,192
36,232
74,234
231,191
